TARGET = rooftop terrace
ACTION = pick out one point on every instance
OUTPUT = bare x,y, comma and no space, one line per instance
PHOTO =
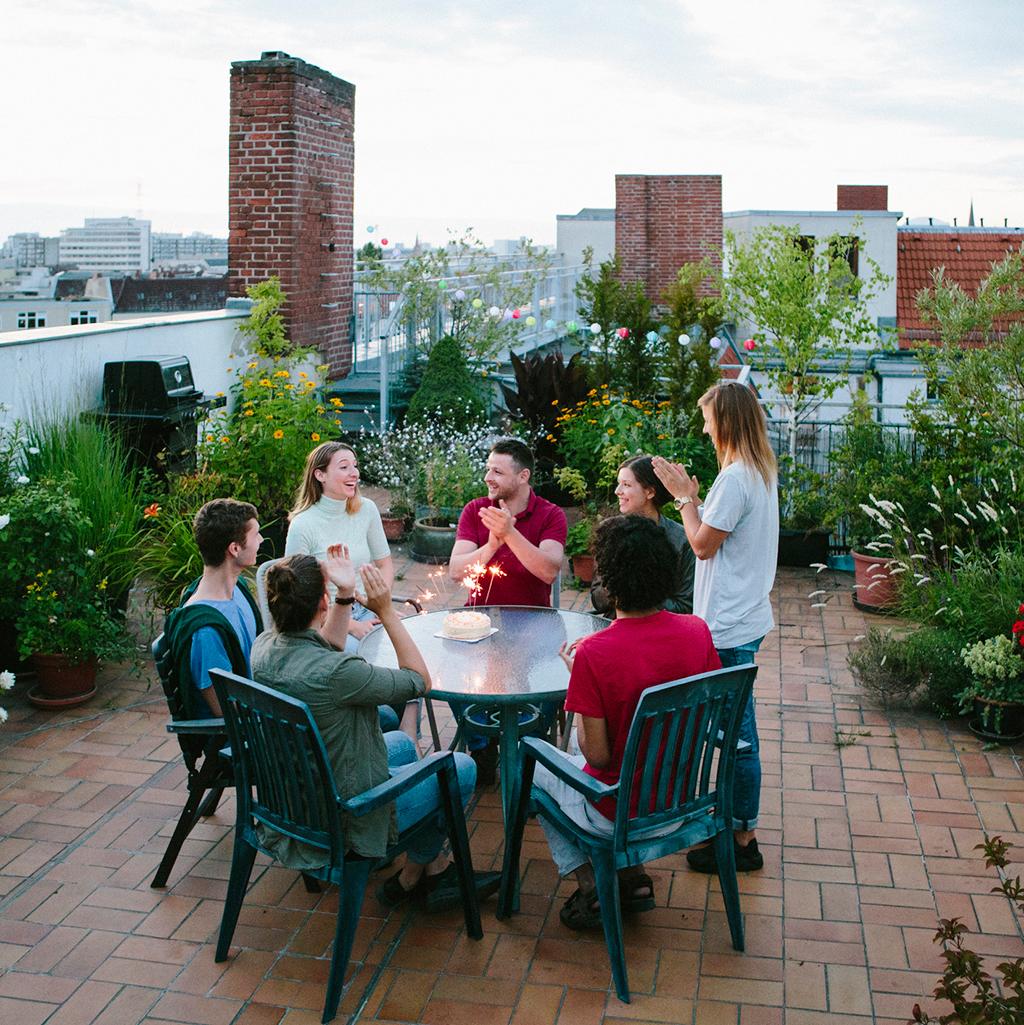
868,827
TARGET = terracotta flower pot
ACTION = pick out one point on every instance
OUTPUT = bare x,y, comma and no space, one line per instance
583,568
62,682
876,588
394,526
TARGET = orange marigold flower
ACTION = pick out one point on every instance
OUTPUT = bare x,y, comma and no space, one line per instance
279,434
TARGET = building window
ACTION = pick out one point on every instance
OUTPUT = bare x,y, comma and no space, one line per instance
31,319
82,317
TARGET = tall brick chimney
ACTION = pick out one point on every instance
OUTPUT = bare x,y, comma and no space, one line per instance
290,163
862,197
663,221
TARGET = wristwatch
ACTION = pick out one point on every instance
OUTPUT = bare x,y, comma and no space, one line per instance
350,600
680,502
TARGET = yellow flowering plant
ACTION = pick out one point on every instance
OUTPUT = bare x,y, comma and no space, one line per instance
66,614
606,419
278,413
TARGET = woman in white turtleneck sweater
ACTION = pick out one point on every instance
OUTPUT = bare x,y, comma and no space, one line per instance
328,511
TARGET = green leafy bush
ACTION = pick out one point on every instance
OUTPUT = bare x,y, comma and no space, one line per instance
899,669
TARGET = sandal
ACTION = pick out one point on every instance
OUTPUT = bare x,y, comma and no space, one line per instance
636,892
581,910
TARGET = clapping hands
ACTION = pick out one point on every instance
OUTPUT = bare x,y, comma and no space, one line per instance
675,478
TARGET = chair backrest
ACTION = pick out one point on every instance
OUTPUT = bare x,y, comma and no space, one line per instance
192,746
282,774
673,769
261,592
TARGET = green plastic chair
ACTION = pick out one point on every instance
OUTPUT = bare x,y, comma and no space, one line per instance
207,765
673,792
283,780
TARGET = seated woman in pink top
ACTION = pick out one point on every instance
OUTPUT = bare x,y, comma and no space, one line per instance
609,670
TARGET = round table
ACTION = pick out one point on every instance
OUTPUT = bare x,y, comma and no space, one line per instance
516,666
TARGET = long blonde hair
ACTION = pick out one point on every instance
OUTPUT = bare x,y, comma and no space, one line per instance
741,431
311,490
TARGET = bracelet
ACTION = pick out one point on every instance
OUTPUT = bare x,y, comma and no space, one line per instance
350,600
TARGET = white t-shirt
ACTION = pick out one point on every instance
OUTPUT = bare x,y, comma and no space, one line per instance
329,523
732,589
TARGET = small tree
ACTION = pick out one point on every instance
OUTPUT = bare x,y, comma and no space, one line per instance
977,368
691,368
453,290
626,355
808,308
448,390
599,301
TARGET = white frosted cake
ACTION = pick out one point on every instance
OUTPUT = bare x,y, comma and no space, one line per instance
466,626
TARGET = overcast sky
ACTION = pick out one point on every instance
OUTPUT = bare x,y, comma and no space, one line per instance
501,115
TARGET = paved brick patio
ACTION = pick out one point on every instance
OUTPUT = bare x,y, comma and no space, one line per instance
866,845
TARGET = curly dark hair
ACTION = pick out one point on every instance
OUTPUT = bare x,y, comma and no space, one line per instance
294,589
636,562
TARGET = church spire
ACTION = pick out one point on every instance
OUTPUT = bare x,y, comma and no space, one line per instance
970,219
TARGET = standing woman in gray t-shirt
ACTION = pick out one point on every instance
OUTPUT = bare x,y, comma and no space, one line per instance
735,537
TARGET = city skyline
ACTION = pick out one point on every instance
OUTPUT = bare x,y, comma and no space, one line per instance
478,116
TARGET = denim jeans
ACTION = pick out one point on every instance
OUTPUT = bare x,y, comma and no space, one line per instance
425,799
746,790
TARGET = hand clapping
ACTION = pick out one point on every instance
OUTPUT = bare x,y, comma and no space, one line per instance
497,519
675,478
339,569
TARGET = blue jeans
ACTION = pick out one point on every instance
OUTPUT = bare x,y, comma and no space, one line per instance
746,790
425,799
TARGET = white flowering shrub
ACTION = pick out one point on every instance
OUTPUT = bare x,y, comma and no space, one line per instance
6,683
997,658
426,464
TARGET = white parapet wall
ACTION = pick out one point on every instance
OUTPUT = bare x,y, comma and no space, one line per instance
55,371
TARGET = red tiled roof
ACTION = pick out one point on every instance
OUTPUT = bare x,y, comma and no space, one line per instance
967,257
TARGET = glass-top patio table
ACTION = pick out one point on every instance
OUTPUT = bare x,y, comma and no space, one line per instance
517,666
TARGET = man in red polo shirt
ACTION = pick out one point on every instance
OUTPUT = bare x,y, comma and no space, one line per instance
523,536
512,529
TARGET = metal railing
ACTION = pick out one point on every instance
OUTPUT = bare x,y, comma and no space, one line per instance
387,336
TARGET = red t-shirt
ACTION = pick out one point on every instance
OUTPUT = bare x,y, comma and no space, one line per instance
539,521
614,666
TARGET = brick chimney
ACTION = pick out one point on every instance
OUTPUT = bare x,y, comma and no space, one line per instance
663,221
862,197
290,165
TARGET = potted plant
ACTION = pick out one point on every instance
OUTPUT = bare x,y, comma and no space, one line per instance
805,524
451,479
996,691
578,544
67,629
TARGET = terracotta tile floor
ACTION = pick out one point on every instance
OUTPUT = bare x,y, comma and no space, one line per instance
866,845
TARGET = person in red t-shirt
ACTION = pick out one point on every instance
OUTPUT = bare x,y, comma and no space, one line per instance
511,529
609,670
521,538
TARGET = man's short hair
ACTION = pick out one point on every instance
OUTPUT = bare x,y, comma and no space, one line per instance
219,523
637,563
521,455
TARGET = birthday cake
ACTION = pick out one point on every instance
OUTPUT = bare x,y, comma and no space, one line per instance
466,626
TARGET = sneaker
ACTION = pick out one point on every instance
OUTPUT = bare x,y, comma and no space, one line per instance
748,858
391,892
444,893
486,759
